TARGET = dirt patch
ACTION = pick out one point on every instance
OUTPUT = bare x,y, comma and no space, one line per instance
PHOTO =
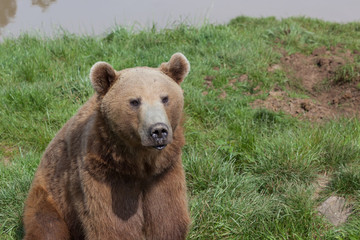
333,89
320,184
209,81
279,100
7,152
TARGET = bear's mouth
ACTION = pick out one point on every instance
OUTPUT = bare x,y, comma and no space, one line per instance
160,147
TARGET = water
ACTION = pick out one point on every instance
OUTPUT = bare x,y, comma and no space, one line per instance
97,17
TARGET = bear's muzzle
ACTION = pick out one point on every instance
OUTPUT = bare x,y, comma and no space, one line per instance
159,133
155,130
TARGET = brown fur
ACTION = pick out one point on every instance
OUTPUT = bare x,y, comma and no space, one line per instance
97,181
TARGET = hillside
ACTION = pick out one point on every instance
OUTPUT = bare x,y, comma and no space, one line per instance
272,126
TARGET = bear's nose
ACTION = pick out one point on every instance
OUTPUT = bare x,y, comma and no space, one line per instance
159,132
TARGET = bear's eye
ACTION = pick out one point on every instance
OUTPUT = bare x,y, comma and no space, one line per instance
135,102
165,99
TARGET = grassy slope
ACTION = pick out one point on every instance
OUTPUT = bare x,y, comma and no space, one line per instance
249,172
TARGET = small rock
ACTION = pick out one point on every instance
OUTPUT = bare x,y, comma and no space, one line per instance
335,210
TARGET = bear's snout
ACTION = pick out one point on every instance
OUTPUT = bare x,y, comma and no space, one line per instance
155,129
159,133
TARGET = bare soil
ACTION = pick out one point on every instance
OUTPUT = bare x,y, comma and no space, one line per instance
316,76
8,152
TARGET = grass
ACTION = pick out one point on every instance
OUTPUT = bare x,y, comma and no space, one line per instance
346,73
250,173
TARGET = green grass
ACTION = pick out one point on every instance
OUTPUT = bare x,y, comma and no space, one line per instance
346,73
250,173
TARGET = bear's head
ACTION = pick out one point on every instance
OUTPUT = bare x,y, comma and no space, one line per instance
142,106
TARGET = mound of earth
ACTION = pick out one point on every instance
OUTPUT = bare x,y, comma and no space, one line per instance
333,90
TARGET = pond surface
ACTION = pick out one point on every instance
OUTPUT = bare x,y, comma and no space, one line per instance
98,16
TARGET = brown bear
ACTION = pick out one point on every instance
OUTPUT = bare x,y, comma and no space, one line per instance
114,170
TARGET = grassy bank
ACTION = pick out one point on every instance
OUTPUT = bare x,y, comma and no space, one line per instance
250,172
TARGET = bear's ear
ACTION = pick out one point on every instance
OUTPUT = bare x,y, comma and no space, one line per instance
102,76
177,68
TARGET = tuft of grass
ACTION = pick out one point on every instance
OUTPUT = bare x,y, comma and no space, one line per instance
346,180
16,178
346,74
